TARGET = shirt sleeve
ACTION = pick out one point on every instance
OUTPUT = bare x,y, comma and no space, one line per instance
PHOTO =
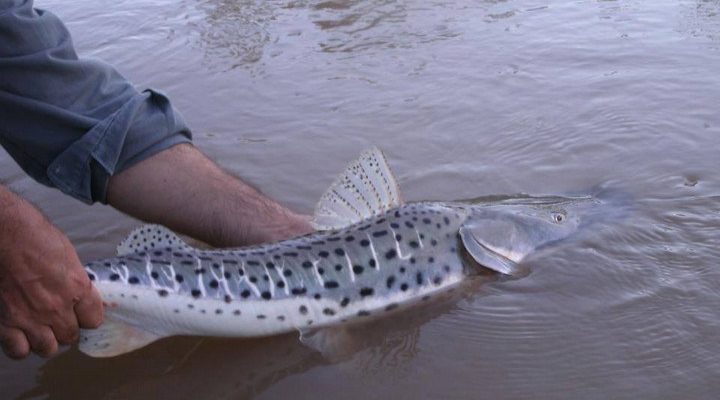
72,123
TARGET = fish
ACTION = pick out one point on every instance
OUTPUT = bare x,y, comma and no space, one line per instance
372,255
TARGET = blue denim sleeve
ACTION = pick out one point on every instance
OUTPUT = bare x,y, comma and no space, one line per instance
72,123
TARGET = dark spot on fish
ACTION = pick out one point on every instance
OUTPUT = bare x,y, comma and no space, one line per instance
338,267
437,280
380,221
433,242
426,297
307,264
270,265
287,272
431,259
364,243
245,294
419,278
91,276
394,225
177,254
187,262
214,284
236,312
398,237
261,316
253,263
241,271
363,313
227,275
329,311
402,270
290,254
191,306
446,220
333,239
321,271
107,264
302,247
157,252
176,311
195,293
218,311
390,281
276,256
281,318
331,285
391,306
391,254
409,224
163,293
404,287
364,227
340,252
446,268
253,279
200,271
413,244
318,242
323,254
228,298
303,310
412,260
345,301
426,220
372,263
298,291
266,295
317,296
280,284
358,269
349,238
133,280
366,291
266,277
379,233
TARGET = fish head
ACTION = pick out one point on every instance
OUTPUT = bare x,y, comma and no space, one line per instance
499,234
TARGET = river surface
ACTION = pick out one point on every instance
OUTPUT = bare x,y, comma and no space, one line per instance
467,98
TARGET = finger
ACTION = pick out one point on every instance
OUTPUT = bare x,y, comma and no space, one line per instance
89,310
14,343
42,340
66,329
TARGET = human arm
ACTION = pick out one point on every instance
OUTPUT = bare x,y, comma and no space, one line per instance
45,294
185,191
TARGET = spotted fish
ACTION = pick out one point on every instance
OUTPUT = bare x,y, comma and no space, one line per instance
373,255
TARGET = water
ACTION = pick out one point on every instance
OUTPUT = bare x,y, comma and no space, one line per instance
467,98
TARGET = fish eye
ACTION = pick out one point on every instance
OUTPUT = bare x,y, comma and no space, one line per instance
558,217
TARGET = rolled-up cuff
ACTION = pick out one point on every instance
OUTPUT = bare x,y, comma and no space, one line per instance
143,126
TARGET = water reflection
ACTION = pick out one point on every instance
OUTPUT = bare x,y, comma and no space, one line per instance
235,30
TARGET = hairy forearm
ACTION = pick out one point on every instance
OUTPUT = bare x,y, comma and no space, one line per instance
185,191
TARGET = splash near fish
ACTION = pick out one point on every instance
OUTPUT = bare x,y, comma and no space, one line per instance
373,255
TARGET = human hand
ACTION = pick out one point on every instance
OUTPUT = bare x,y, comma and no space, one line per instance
45,293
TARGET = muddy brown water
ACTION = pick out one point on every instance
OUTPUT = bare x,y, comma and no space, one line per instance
467,98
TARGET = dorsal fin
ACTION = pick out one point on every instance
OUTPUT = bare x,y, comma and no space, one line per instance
367,187
149,237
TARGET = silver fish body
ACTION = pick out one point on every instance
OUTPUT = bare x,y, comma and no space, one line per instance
369,268
373,255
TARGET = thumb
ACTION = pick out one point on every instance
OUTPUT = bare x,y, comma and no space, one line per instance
89,310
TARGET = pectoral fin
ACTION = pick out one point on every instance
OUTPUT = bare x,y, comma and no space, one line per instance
334,343
488,256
